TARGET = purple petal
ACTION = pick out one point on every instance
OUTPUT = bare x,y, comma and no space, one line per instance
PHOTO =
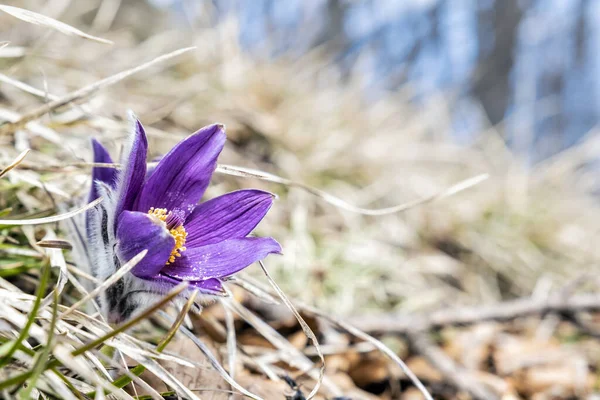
137,231
231,216
106,175
164,283
210,285
134,173
150,168
181,177
220,259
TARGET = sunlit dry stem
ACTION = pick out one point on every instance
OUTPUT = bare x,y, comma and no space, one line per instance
15,162
39,19
25,87
329,198
211,358
84,92
336,201
305,328
175,327
55,218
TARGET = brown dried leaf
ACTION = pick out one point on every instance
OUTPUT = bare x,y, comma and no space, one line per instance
569,377
420,367
349,388
471,347
371,370
412,394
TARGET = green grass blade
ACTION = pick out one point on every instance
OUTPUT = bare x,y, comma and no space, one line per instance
124,380
36,305
42,361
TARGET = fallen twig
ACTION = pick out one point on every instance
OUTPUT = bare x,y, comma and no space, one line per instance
398,323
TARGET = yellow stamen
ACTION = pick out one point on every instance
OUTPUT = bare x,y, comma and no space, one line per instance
178,233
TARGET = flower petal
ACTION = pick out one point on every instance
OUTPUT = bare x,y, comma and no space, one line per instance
132,177
164,283
212,285
106,175
220,259
181,177
231,216
137,231
150,167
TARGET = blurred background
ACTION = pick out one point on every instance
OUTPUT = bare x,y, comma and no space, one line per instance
378,102
527,61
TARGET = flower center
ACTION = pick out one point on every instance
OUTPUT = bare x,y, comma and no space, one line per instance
174,224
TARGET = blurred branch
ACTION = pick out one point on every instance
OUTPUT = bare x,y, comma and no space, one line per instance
507,310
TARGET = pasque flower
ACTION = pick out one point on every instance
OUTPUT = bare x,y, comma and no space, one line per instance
159,210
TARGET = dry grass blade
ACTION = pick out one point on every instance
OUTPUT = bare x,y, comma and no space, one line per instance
63,387
134,321
180,318
78,272
99,393
84,92
287,352
354,331
254,290
26,88
151,392
55,218
7,51
460,186
6,357
61,167
336,201
41,361
107,283
85,370
379,345
212,359
140,368
503,311
305,328
15,162
55,244
57,260
167,377
231,340
39,19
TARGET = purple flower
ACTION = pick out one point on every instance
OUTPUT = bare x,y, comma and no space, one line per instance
158,210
